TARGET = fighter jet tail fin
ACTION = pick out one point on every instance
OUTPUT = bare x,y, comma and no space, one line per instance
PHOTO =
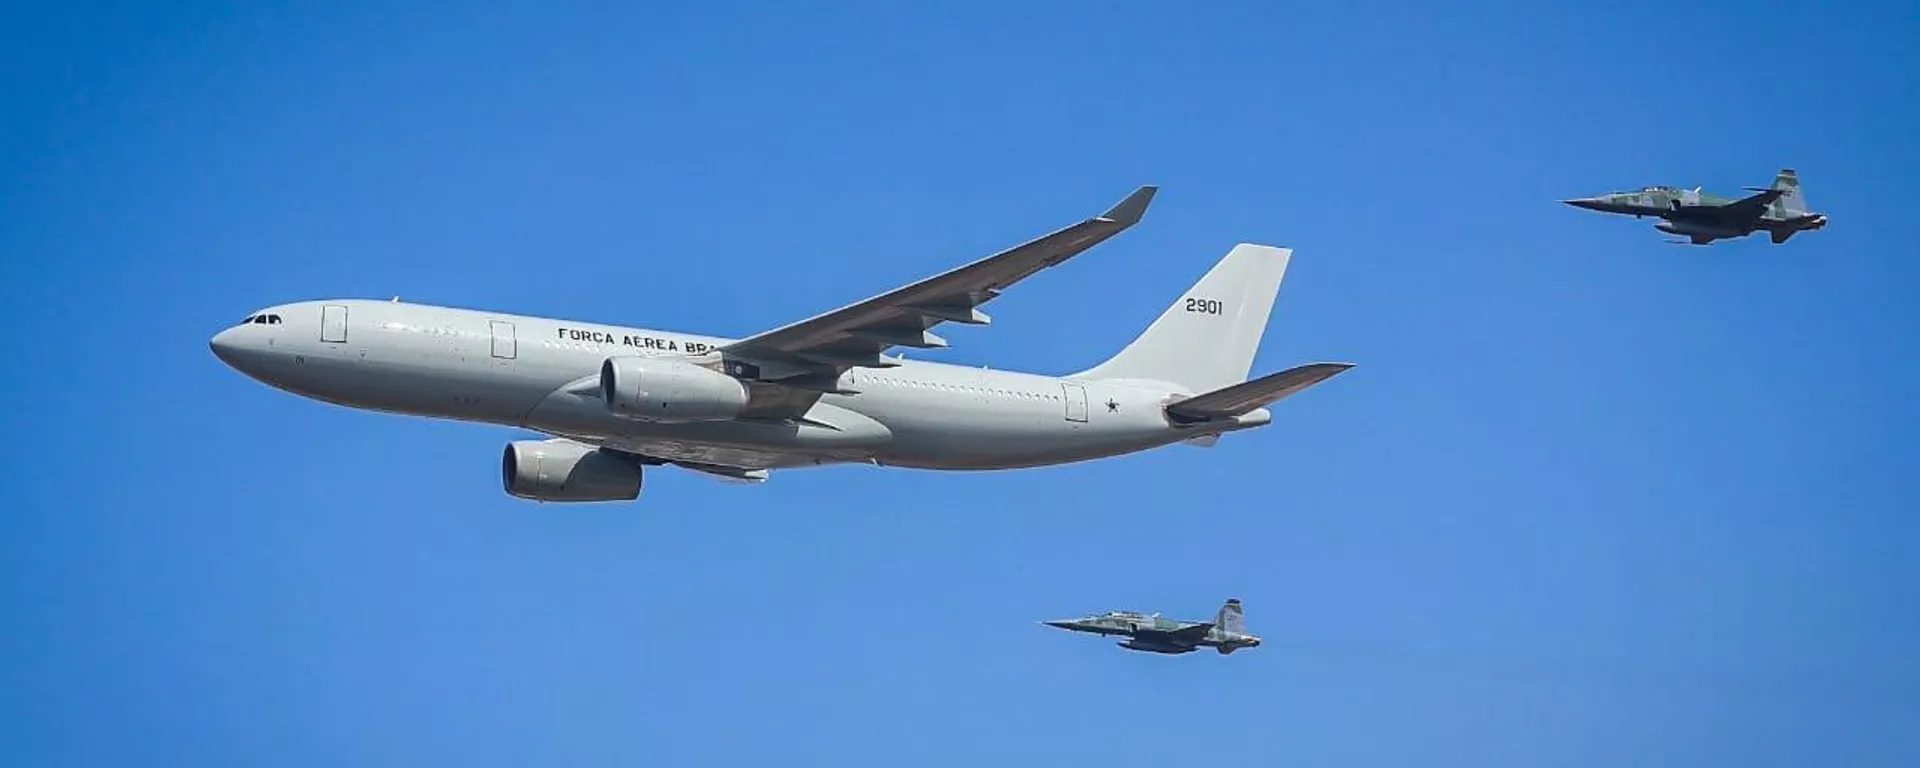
1208,338
1792,201
1231,618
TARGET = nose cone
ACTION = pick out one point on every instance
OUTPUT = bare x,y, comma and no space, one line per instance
1589,203
1063,624
226,346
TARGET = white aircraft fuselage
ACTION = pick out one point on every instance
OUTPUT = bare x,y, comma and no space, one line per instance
818,391
544,374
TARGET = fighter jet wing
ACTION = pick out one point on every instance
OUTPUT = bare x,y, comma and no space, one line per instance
1189,634
1743,209
855,335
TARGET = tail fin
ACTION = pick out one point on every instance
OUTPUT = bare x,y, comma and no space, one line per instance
1207,339
1231,618
1792,202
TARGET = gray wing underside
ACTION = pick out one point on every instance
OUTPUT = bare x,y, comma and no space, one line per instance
725,472
856,335
1258,393
1183,636
1745,209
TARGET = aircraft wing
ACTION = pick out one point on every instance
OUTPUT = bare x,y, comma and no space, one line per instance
855,335
1746,208
1186,635
1246,396
724,472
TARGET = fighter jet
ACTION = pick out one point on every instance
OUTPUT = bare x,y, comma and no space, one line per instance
1154,633
1779,210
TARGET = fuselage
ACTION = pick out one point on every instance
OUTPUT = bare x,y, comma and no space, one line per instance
1696,214
542,374
1157,634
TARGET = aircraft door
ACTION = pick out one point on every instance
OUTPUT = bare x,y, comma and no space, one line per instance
1076,397
503,343
333,323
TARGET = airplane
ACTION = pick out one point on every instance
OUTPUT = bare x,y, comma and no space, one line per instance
1779,210
612,400
1156,634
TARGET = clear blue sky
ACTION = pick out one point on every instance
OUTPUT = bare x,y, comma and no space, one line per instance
1588,500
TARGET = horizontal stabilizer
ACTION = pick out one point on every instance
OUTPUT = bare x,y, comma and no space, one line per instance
1247,396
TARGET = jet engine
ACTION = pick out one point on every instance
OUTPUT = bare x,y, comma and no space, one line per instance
563,470
1691,229
652,389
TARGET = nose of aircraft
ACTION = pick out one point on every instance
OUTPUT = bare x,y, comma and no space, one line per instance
224,345
1589,203
1061,624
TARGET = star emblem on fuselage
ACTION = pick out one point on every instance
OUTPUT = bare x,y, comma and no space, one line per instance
1112,406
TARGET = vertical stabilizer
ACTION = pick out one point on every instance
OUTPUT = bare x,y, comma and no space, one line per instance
1231,618
1793,202
1208,338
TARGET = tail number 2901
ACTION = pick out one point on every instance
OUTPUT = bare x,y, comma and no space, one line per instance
1205,306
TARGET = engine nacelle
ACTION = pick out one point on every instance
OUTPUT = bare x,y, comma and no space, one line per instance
563,470
651,389
1691,229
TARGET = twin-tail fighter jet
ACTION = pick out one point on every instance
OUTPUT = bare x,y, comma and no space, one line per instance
1156,634
1701,218
820,391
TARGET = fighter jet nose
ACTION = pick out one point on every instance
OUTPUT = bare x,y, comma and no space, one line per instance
1061,624
1589,203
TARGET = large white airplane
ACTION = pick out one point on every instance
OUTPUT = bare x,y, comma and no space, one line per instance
819,391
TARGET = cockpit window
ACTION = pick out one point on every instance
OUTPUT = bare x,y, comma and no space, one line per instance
273,319
261,320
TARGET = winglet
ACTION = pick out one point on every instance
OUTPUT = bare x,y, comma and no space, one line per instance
1128,212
